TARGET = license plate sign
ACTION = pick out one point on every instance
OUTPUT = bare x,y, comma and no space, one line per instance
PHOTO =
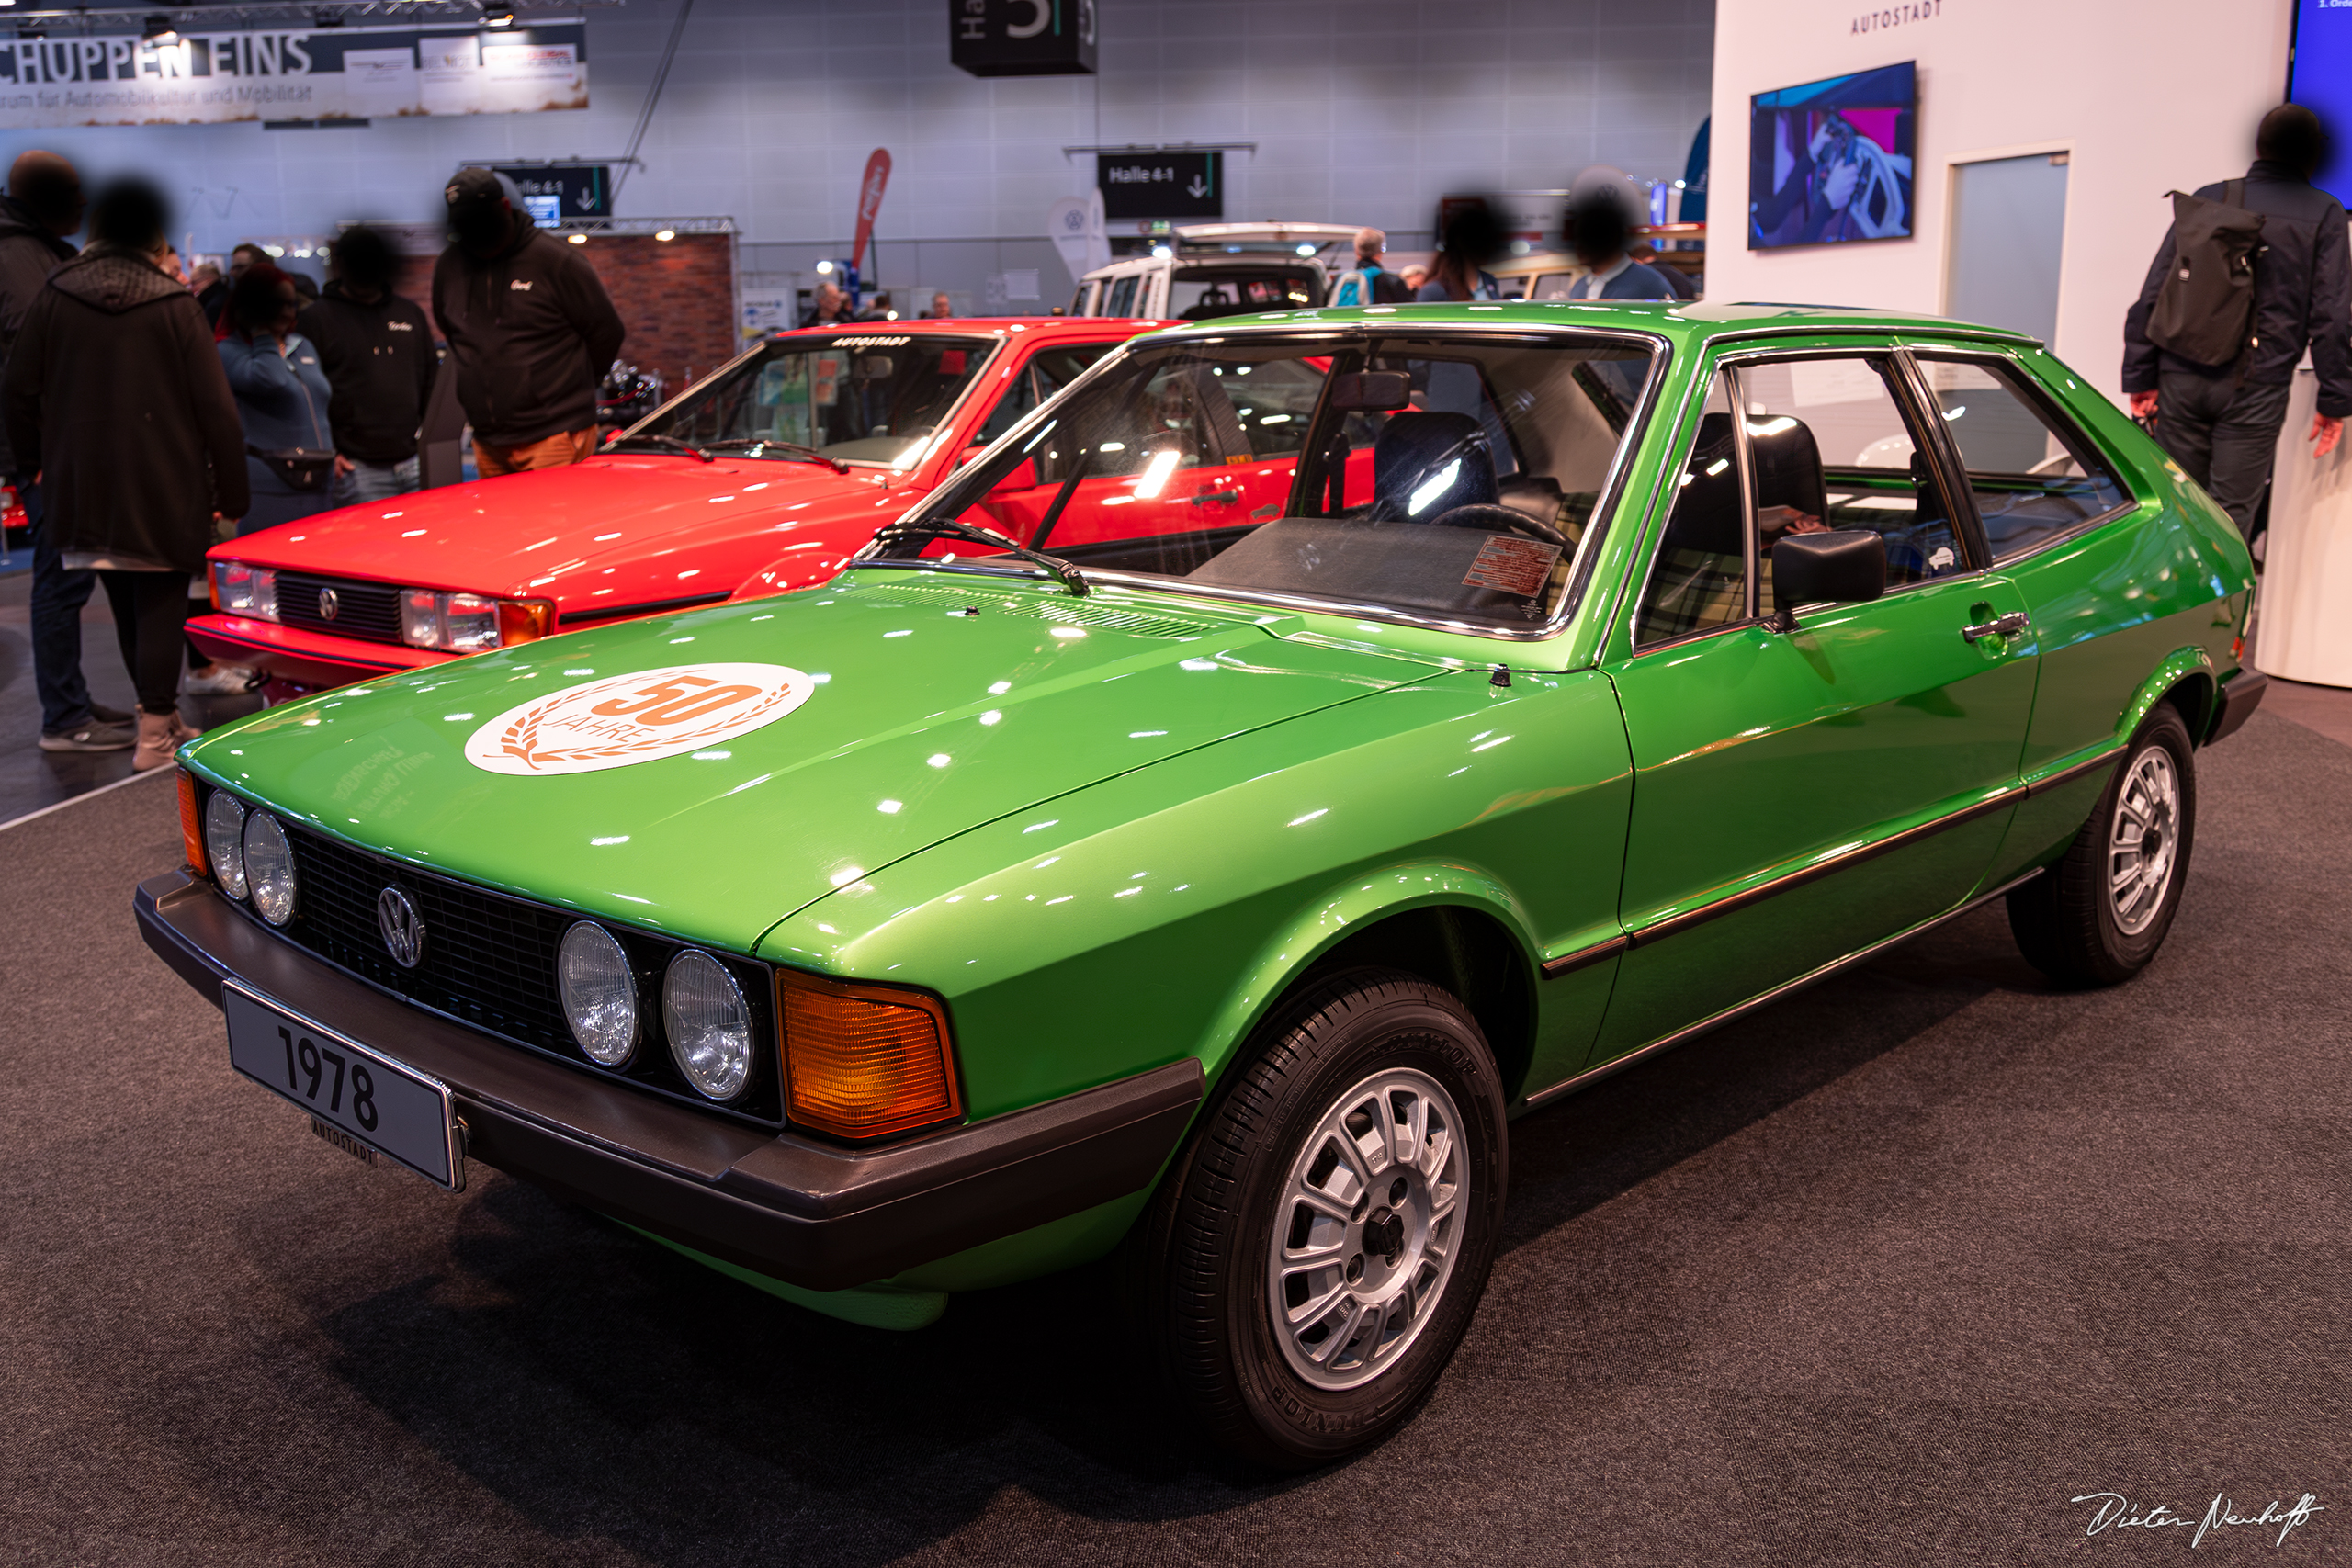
345,1086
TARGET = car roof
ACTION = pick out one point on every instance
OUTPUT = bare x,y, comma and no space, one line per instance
967,326
1696,320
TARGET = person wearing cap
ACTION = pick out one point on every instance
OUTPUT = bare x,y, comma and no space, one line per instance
530,329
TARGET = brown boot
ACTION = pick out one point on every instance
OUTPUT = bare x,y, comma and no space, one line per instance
182,730
156,741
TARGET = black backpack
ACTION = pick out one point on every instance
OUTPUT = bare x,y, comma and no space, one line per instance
2204,312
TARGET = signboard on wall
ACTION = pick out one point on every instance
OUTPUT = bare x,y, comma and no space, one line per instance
557,191
1161,185
293,74
1022,38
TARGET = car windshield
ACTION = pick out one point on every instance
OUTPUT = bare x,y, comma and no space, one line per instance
1199,293
858,398
1446,476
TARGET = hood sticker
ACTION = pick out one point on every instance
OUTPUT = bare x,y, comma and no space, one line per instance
637,718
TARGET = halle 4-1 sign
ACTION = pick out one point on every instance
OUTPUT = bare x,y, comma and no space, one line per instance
1022,38
333,73
1162,185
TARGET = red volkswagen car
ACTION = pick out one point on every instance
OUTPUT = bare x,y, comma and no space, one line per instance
777,466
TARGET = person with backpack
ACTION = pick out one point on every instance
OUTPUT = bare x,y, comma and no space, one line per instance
2250,272
1369,283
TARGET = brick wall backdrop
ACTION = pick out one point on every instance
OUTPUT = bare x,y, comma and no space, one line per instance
677,298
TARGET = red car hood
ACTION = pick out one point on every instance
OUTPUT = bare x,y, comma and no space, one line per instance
609,533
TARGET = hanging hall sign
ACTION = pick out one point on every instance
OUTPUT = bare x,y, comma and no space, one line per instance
1022,38
293,74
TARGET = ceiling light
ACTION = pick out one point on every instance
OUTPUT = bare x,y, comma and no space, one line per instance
576,238
824,269
497,16
158,30
665,235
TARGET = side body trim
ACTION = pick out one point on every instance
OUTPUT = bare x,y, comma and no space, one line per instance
1593,1075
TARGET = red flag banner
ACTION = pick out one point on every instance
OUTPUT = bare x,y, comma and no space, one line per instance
869,202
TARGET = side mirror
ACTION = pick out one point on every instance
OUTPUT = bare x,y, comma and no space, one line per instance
1844,566
1024,475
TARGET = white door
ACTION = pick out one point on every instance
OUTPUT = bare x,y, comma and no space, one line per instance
2008,229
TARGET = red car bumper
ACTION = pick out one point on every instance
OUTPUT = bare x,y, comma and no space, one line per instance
307,660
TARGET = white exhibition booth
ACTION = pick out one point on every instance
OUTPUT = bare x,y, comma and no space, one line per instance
2045,150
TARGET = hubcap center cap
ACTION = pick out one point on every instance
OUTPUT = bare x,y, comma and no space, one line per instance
1385,1234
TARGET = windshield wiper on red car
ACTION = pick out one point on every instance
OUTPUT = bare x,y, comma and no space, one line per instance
1061,570
662,443
762,442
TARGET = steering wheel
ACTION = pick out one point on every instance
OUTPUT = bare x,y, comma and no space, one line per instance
1500,520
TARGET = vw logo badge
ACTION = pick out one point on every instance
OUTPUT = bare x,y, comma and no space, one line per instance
403,928
328,604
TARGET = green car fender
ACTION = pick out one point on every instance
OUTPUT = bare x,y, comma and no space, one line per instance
2188,669
1486,825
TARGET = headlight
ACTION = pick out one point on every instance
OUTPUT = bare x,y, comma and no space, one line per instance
471,623
599,993
241,589
269,868
225,840
708,1025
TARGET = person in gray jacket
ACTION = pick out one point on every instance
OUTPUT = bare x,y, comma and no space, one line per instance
282,397
2221,422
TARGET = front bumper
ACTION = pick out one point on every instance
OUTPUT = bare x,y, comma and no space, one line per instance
303,658
794,1208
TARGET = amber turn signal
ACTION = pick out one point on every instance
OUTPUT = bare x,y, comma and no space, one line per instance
524,620
862,1061
191,825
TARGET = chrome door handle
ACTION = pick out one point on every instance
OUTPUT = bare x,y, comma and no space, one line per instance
2009,624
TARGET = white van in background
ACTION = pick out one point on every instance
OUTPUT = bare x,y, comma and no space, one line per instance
1222,269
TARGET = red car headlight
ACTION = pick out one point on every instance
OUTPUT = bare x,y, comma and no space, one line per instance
242,589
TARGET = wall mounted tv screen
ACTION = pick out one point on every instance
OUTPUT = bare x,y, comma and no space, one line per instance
1831,160
2321,78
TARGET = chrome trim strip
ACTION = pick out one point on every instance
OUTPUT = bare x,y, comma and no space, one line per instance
2068,775
1617,1064
1584,957
1658,930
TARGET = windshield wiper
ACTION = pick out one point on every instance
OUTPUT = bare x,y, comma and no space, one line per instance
1061,570
665,443
810,453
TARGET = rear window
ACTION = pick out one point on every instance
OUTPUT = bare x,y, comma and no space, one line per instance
2035,477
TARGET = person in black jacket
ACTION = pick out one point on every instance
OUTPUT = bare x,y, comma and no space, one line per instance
377,350
116,393
2221,422
530,329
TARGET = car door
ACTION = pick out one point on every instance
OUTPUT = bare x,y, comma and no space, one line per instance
1802,795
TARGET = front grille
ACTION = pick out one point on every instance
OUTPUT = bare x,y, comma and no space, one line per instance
367,611
488,960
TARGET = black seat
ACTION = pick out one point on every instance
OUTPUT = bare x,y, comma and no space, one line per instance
1708,516
1414,450
1788,466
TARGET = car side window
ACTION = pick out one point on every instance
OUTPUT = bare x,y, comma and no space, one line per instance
1123,297
1834,448
1698,579
2034,476
1047,372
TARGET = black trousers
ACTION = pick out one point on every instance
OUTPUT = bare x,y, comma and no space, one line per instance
2224,433
150,613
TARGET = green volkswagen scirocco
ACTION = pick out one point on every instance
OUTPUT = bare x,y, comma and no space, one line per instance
1198,829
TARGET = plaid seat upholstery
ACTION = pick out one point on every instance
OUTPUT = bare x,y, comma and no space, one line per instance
1691,590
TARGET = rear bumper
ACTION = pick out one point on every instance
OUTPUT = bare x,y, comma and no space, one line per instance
300,657
794,1208
2241,695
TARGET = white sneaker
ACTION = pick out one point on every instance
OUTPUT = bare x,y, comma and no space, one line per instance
225,681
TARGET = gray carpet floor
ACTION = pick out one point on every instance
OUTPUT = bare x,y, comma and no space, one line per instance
1887,1273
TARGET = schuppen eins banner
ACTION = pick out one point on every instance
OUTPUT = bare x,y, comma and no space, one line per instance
338,73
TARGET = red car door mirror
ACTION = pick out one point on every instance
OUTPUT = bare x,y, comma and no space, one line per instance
1022,476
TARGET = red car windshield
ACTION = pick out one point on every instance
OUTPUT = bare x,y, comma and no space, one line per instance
873,397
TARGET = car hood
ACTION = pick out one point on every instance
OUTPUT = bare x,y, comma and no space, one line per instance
554,532
921,721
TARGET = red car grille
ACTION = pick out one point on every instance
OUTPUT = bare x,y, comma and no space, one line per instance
369,611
